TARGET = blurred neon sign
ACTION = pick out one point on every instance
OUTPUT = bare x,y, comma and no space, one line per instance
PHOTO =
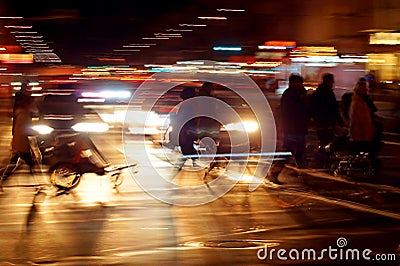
16,58
227,48
386,38
286,44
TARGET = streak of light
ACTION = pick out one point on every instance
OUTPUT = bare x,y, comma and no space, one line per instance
11,74
154,228
61,81
18,27
36,44
155,38
28,41
178,30
107,94
267,47
24,32
220,48
391,143
111,59
213,18
190,63
268,154
91,100
265,64
127,50
192,25
28,36
137,79
230,10
136,46
169,35
11,17
153,65
39,51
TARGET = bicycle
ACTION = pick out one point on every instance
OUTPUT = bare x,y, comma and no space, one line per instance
343,162
70,157
209,152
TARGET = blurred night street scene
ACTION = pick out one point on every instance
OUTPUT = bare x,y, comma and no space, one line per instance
200,132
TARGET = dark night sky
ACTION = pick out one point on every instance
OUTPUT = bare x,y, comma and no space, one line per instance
79,31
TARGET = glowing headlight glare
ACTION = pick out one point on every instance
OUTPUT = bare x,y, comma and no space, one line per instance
156,120
251,126
248,126
119,94
43,129
90,127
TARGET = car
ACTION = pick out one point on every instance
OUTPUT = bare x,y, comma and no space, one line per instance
61,113
243,129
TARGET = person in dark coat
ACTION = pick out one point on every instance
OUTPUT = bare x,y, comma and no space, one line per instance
23,109
207,126
324,110
294,117
185,124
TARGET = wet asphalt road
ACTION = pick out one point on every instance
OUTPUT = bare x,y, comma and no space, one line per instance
98,225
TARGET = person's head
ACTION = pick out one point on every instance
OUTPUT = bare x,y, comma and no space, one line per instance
361,87
24,88
188,92
206,89
328,79
295,81
363,79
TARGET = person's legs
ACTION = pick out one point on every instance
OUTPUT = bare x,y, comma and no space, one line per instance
300,148
186,142
325,136
27,157
295,143
12,164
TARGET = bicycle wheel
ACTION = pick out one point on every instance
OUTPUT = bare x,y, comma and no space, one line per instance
64,176
117,179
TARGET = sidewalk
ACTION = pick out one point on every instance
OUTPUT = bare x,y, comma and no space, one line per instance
389,157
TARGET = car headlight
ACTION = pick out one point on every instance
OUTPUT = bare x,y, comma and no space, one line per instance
245,126
90,127
156,120
43,129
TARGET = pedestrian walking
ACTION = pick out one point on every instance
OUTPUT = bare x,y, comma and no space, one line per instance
208,126
294,117
185,125
364,128
23,109
324,110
